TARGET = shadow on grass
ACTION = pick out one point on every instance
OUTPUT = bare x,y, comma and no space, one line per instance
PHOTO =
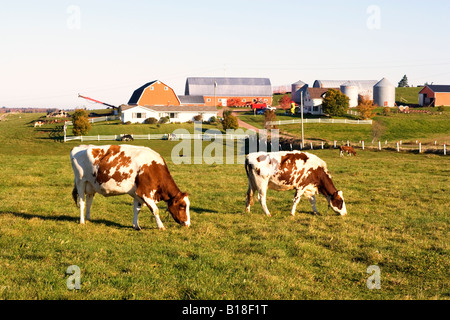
29,216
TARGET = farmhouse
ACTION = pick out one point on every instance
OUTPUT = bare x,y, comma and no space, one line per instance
138,114
217,91
435,95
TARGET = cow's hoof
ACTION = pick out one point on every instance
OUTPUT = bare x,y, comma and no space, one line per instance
162,228
138,228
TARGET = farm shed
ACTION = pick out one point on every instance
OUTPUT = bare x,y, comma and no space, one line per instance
435,95
138,114
216,91
154,93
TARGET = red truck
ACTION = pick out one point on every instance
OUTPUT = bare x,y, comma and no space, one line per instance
259,105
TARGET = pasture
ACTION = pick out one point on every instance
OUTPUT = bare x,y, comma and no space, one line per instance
397,219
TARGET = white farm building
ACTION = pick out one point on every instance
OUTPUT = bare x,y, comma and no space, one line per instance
176,114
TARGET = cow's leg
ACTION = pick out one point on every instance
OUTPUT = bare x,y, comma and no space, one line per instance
262,199
297,196
312,200
249,198
81,201
137,206
154,208
89,200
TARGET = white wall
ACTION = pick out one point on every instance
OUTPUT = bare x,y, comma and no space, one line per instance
181,116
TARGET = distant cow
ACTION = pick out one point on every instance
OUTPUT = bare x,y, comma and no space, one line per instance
349,150
138,171
38,124
306,173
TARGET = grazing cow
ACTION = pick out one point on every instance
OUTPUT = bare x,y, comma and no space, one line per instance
138,171
287,170
347,149
38,124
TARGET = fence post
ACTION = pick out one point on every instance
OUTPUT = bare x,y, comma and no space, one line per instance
322,144
420,147
379,145
398,147
98,137
311,146
348,143
81,138
335,144
445,150
363,144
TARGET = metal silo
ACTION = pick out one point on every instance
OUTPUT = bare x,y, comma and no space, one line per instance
351,91
296,90
384,93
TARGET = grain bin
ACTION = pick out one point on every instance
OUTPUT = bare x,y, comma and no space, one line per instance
296,91
351,91
384,93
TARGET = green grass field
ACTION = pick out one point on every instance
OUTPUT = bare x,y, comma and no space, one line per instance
394,127
398,220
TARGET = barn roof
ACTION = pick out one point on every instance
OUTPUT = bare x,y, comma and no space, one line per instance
439,88
362,84
138,92
192,99
317,93
230,87
174,108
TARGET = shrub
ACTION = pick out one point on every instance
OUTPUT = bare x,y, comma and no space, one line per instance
366,108
80,120
164,120
198,118
386,111
212,120
230,122
151,120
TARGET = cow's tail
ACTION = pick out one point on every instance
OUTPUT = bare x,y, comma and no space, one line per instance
75,194
251,182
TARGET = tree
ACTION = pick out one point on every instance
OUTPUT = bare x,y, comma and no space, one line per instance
335,103
366,107
404,82
269,116
229,121
80,120
235,102
285,102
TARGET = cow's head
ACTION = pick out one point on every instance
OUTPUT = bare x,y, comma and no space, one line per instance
179,209
337,203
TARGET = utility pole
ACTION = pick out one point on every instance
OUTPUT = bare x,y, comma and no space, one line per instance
301,110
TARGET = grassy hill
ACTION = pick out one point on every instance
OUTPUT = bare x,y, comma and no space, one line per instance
409,96
397,220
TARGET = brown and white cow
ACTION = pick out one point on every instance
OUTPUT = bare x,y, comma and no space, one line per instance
347,149
304,172
138,171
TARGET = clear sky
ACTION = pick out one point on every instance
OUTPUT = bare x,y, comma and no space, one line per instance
52,50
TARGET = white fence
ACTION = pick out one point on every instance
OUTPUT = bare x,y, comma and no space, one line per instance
98,119
164,136
294,121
